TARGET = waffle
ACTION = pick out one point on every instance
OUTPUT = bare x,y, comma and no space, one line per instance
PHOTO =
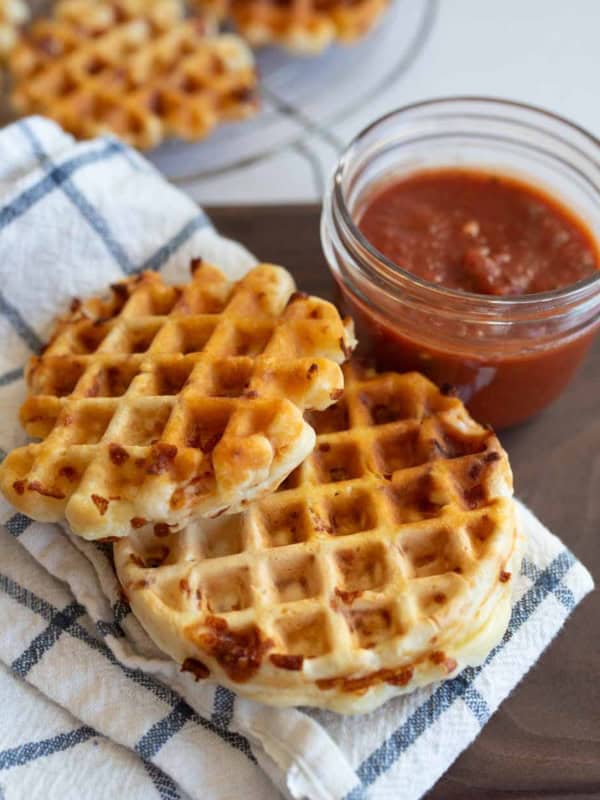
161,403
384,562
13,14
303,26
134,68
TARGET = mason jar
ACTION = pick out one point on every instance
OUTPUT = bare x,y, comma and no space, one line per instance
507,357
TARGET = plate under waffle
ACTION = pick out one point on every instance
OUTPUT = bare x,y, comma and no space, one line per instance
299,95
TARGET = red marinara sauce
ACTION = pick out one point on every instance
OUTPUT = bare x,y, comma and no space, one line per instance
481,233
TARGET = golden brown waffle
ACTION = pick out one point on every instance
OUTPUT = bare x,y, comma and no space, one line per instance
135,68
162,403
304,26
384,562
13,14
96,16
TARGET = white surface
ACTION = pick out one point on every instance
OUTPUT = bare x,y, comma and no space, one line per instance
544,52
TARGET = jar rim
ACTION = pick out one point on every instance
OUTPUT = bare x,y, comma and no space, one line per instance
569,294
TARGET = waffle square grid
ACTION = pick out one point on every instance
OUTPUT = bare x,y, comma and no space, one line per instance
166,402
389,543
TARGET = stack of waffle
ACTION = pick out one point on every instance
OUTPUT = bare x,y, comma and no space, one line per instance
136,68
300,532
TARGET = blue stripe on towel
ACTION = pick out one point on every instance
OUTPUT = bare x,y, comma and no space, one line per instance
44,641
224,706
12,376
158,259
160,733
90,214
163,783
46,610
17,524
53,179
20,325
31,751
24,753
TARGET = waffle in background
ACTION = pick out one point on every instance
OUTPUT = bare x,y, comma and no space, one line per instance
303,26
384,562
13,14
160,403
135,68
98,15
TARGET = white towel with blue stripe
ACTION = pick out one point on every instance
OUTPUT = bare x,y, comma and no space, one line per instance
91,708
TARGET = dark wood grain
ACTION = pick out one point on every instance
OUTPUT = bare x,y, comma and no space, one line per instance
544,741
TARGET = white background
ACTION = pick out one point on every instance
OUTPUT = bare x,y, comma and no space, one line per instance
545,52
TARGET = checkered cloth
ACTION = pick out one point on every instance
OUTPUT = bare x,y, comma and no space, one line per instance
90,707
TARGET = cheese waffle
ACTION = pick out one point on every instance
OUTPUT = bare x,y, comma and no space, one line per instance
303,26
135,68
165,402
13,14
384,562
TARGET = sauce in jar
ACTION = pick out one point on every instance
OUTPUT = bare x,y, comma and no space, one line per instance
485,234
484,278
501,390
480,233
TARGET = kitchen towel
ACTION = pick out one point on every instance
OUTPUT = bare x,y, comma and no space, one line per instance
73,218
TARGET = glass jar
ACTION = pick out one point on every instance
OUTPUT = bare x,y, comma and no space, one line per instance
506,357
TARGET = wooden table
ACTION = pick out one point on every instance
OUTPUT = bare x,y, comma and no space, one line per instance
544,741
